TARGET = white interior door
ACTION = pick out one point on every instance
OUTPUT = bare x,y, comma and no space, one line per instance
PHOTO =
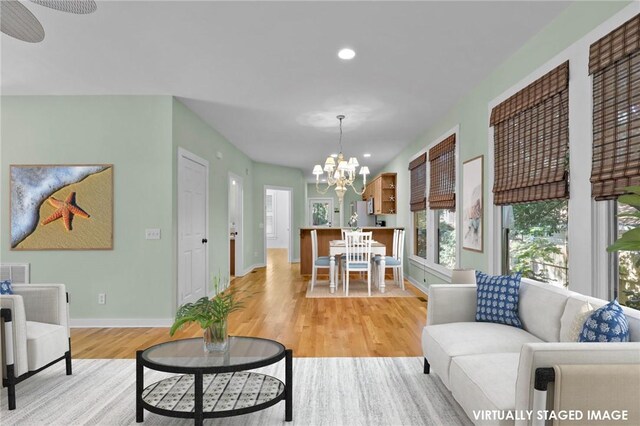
236,219
193,178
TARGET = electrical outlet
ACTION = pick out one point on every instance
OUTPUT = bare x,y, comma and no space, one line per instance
102,298
255,254
152,234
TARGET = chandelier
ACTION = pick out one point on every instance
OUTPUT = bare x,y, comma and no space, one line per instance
340,173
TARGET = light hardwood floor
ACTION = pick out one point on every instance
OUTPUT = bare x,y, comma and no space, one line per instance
279,310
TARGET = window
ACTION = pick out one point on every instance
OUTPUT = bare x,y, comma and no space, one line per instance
535,240
420,233
270,218
614,63
531,169
442,200
418,204
628,262
446,242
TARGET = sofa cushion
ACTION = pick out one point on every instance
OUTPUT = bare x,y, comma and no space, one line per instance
45,343
570,332
572,309
485,382
540,309
442,342
5,287
633,315
497,299
607,324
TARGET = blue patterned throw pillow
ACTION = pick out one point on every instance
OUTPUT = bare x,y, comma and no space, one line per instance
5,287
607,324
498,297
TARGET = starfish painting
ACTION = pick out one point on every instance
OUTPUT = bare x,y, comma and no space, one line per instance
66,210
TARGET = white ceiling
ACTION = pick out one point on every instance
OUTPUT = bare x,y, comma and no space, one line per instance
266,75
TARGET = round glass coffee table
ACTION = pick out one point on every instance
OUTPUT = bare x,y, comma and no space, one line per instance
213,384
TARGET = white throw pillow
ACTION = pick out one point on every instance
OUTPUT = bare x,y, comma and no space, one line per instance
572,333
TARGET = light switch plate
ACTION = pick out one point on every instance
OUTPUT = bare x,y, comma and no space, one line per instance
152,234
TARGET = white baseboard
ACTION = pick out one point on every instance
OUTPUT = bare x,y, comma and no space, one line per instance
120,322
251,268
295,260
420,286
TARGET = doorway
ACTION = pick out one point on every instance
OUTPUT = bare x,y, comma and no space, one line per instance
193,226
236,264
277,222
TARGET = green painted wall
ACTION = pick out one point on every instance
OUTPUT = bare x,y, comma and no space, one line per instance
140,136
270,175
193,134
134,134
471,113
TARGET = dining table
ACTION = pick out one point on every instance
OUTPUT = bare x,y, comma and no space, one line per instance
338,247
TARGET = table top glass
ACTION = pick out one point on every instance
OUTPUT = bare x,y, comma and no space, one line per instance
190,353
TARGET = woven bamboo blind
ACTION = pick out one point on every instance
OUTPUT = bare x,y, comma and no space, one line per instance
531,141
418,170
614,61
442,175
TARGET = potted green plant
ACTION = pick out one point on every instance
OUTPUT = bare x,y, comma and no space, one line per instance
212,315
630,240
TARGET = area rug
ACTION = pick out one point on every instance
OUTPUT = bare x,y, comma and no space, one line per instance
357,288
326,391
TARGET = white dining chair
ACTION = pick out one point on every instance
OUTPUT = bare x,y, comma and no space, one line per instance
318,261
357,257
395,260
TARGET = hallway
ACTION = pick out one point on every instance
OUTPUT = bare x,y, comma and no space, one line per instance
278,309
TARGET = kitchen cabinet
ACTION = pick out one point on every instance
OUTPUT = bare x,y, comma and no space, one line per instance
383,191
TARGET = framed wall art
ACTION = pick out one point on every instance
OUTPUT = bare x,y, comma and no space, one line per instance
472,204
319,210
61,207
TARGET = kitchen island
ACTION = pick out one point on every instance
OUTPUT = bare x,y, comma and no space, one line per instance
383,235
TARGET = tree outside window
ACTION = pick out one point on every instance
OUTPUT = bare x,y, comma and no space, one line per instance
535,240
446,249
628,264
420,233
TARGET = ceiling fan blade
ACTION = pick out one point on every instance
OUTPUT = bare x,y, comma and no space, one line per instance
80,7
16,21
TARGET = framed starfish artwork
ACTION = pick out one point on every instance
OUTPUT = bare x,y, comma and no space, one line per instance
61,207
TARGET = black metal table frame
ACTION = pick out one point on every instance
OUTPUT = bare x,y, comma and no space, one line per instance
198,413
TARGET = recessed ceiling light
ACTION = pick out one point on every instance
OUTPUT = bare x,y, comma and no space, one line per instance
233,182
367,155
346,54
334,155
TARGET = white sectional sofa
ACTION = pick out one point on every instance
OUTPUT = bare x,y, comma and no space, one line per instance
490,366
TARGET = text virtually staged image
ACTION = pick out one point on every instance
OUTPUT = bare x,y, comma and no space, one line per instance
320,212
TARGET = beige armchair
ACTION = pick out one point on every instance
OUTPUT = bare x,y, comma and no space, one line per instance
34,333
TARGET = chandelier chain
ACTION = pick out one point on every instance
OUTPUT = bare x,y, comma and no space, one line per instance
340,117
